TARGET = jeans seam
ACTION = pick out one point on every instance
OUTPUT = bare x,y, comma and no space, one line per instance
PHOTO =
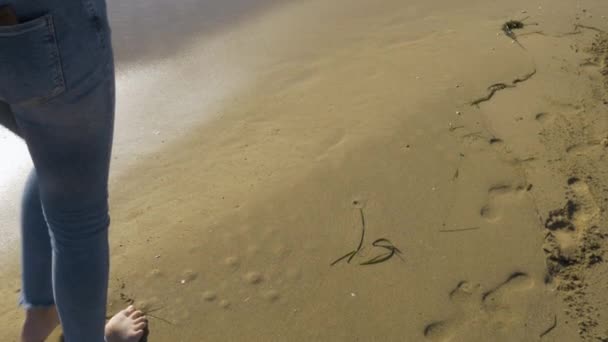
59,78
93,14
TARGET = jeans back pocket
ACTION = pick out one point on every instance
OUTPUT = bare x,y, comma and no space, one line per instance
30,65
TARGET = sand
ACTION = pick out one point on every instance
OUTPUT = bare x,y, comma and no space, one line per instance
229,208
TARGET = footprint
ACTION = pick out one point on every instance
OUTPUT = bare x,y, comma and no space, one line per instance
477,312
572,245
498,195
463,291
543,117
584,148
517,281
438,331
571,241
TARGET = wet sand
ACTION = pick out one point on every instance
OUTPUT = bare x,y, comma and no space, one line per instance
225,228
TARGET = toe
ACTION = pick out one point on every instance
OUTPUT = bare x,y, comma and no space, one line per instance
129,311
137,314
140,326
141,319
137,334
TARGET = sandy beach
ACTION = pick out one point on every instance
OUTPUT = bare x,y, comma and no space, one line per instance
462,167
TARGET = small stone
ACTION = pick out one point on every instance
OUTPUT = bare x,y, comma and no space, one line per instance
352,294
224,304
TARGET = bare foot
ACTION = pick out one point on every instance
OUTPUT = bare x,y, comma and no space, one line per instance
39,324
126,326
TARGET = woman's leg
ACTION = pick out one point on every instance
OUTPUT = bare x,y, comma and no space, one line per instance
58,77
37,290
70,144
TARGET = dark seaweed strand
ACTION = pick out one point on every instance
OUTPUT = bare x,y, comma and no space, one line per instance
525,77
380,258
390,245
342,258
351,255
362,236
500,86
550,328
392,251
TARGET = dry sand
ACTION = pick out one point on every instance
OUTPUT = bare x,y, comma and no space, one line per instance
227,231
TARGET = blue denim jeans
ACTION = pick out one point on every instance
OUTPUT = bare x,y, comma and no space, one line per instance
57,78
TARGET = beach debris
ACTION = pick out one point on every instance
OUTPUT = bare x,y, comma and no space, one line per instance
391,251
592,28
351,255
550,328
511,25
459,230
501,86
456,174
383,243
